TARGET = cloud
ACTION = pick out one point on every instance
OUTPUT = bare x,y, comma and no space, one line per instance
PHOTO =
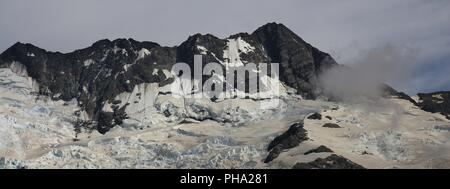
363,78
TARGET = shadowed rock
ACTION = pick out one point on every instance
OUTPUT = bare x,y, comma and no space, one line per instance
290,139
331,162
319,149
438,102
316,116
331,125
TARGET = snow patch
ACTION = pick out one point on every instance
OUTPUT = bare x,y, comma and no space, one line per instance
438,96
143,53
167,73
126,66
88,62
122,51
233,51
155,71
202,49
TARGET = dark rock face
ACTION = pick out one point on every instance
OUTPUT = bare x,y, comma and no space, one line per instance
290,139
2,163
316,116
300,63
331,162
319,149
108,120
438,102
95,75
331,125
189,48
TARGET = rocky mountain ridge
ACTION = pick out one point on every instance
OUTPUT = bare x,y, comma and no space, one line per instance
95,75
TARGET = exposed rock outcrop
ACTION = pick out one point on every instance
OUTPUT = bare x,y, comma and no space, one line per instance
331,162
319,149
290,139
315,116
331,125
438,102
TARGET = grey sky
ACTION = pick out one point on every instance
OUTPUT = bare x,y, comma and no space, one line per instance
344,28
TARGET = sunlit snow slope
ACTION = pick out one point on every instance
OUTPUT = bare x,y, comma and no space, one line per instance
36,132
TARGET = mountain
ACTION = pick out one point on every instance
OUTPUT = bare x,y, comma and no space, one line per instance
52,105
97,74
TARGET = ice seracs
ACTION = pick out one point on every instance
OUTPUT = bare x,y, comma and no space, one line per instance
27,123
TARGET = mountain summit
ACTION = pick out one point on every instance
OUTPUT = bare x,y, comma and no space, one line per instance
96,74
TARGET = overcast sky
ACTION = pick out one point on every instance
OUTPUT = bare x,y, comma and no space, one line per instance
347,29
